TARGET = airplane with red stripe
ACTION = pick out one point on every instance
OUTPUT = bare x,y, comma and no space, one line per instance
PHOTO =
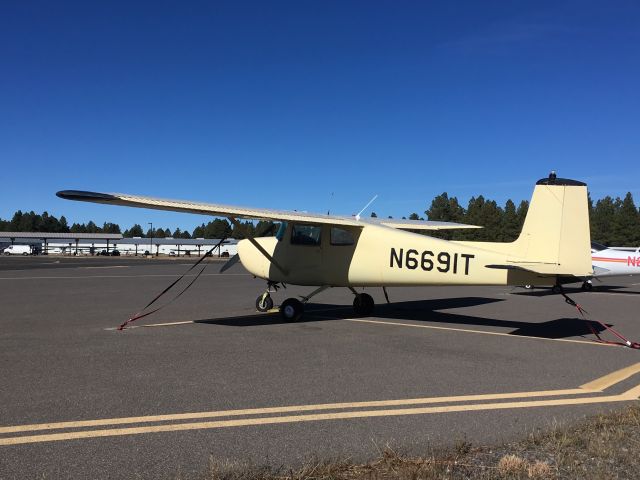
606,262
613,262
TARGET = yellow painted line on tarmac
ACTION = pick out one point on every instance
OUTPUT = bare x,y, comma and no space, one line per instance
629,395
597,385
287,409
187,322
481,332
609,380
168,324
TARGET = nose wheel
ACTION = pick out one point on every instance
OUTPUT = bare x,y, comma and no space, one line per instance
264,302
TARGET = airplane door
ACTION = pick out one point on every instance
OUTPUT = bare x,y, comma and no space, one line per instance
305,254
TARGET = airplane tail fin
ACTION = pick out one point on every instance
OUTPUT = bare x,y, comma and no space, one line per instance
555,237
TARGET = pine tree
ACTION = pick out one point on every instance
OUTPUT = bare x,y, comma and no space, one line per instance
198,232
134,231
108,227
64,227
603,214
92,228
265,229
510,228
626,223
445,209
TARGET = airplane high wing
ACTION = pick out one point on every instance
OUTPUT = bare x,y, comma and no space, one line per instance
327,251
235,212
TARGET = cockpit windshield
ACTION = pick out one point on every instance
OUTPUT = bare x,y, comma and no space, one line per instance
281,230
597,247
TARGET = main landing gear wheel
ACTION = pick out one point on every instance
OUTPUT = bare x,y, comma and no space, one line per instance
587,286
264,303
363,304
292,309
556,289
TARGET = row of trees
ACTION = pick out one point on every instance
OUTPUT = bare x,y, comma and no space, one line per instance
613,222
33,222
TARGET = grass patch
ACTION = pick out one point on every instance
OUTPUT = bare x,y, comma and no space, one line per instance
602,447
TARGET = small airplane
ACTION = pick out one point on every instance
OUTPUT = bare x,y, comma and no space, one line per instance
326,251
612,262
607,262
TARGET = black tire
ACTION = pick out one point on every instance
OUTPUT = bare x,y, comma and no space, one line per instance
528,286
264,303
363,304
556,289
291,309
24,254
587,286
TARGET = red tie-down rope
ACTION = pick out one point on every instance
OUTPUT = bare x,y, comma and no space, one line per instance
624,343
142,313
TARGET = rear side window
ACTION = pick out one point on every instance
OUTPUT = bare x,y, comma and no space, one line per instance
305,234
340,236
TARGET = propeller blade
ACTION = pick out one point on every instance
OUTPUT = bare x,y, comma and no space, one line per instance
230,263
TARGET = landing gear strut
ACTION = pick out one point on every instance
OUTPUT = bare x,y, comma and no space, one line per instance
292,308
264,302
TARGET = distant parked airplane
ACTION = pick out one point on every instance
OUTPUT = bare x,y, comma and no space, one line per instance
607,262
613,262
339,251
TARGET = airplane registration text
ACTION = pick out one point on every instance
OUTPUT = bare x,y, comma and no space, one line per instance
427,260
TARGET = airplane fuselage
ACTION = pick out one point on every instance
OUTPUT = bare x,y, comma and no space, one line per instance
612,262
380,256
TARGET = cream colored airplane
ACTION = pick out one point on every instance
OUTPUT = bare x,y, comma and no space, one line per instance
339,251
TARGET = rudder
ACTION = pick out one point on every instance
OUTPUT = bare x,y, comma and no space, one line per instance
555,237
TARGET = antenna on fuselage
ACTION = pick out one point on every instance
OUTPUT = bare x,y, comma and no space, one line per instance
366,206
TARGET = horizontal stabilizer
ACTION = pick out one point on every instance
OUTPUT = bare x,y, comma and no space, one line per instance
549,269
600,270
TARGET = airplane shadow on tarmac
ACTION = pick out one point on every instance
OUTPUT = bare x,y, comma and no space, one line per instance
422,311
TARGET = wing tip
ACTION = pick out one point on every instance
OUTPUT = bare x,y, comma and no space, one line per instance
85,196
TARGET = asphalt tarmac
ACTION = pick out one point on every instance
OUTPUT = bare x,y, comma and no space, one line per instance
212,379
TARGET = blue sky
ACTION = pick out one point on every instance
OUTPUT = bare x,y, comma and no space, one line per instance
313,105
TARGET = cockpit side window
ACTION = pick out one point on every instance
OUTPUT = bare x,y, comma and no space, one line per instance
305,234
597,247
341,237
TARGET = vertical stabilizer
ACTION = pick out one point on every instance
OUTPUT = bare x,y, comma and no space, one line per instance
555,237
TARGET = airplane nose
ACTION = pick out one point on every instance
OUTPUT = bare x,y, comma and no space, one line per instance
252,259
